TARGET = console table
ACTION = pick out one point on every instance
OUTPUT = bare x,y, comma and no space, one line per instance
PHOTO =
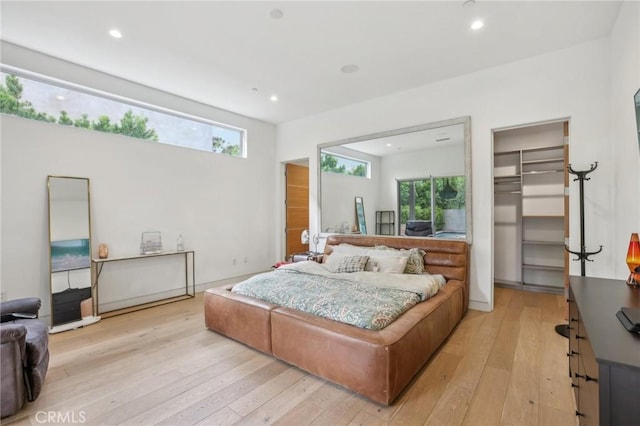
188,292
604,358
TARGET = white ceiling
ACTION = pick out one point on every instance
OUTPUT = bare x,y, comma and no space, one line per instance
411,142
218,52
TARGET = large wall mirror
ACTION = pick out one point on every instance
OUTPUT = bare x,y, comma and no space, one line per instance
415,180
70,250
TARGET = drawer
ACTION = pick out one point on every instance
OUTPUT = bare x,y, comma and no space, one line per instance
588,359
588,405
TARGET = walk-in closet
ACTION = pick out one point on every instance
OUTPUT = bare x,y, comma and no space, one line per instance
531,206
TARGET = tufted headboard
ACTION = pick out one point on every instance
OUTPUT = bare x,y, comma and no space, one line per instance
447,257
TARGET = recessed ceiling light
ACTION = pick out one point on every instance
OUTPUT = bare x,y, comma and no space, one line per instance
477,24
276,14
273,98
469,3
350,68
115,33
60,98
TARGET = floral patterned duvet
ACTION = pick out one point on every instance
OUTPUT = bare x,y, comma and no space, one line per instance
370,300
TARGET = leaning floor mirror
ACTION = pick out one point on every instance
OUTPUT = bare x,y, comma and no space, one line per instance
70,253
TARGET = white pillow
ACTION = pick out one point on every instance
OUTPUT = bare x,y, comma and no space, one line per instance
386,263
350,249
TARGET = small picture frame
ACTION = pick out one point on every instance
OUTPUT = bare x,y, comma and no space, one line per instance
151,242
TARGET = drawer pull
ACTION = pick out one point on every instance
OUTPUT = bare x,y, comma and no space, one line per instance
572,353
573,385
586,377
578,413
573,320
579,337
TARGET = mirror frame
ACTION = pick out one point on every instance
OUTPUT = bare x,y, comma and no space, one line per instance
93,310
360,219
465,120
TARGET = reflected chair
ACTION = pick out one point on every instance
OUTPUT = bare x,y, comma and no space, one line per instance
24,350
419,228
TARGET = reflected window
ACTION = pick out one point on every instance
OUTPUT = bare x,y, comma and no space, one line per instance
432,206
43,99
340,164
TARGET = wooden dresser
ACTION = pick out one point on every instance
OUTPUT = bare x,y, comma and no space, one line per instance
604,358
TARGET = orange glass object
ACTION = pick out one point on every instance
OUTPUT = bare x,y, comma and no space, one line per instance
633,260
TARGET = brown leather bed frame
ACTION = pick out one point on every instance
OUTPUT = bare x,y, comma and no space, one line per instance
376,364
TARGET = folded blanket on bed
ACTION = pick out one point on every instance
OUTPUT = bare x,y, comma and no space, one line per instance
370,300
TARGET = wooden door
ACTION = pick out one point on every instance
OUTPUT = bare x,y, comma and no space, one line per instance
297,207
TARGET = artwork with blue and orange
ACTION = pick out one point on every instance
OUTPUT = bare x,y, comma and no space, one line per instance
68,255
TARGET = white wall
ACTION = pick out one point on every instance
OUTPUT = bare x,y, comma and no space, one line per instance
223,206
573,83
624,187
339,192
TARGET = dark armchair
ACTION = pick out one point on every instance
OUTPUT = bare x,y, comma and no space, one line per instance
24,350
419,228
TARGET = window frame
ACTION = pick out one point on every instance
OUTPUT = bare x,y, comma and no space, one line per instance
366,163
433,196
63,84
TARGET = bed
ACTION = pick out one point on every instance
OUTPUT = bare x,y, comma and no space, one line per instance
377,362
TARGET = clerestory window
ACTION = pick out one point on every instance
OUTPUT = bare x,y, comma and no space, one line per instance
335,163
40,98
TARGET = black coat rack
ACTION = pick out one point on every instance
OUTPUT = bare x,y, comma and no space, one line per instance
582,255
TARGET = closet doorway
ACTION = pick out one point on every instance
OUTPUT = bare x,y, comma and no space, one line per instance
531,207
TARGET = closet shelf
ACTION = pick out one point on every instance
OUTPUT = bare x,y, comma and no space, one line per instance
507,192
544,148
543,161
542,172
513,152
544,243
508,182
507,177
542,216
544,267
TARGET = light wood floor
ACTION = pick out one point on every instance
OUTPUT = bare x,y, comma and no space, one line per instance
161,366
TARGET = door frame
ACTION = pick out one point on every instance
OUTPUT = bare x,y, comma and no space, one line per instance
283,168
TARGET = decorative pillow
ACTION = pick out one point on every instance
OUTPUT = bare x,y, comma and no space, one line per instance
339,262
392,264
415,263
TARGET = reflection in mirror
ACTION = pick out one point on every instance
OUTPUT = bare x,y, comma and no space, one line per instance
636,100
362,223
70,252
420,176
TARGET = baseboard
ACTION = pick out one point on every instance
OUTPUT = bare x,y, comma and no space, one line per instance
477,305
219,283
73,325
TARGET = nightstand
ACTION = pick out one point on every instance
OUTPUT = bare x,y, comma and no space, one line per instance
308,255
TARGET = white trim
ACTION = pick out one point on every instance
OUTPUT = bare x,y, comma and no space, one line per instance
73,325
